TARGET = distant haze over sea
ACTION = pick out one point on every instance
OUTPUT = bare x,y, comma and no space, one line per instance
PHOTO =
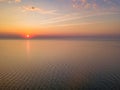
18,36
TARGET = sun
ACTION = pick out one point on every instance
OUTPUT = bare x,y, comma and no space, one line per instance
27,35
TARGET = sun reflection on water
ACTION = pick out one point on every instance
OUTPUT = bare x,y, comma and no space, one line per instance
28,48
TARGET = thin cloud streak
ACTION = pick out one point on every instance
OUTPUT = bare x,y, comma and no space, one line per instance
74,16
37,9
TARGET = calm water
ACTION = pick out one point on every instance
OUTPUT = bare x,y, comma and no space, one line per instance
59,64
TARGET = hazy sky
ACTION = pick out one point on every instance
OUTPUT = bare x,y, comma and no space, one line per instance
89,17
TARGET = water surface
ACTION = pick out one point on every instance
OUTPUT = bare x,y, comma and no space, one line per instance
59,64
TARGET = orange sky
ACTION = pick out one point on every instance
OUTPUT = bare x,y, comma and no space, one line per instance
60,17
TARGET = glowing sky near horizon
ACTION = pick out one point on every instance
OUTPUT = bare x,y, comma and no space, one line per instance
60,16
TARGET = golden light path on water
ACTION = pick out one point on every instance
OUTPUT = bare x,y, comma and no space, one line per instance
28,48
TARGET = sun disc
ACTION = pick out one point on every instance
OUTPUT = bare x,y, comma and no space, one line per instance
27,36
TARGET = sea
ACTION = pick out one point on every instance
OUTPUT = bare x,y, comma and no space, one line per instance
59,64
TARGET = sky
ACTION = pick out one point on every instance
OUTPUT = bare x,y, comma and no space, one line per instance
64,17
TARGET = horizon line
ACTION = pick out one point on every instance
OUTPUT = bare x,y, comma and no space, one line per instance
60,36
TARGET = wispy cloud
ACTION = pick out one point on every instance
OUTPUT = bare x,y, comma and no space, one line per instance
17,1
38,10
84,4
96,4
74,16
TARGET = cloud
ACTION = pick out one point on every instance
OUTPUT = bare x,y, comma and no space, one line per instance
16,1
96,4
38,10
2,0
61,19
84,4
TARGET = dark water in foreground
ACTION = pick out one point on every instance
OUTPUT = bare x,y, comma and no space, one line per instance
59,65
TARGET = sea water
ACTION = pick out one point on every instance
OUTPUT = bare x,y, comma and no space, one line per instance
59,64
